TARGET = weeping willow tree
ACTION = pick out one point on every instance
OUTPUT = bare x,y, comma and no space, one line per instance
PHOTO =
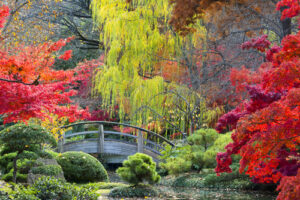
137,35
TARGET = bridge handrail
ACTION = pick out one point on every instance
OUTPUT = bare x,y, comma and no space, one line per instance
120,124
93,132
80,133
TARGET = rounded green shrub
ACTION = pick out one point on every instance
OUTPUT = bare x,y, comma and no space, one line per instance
139,168
132,192
81,167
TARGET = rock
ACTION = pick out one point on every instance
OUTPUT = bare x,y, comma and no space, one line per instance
43,163
2,184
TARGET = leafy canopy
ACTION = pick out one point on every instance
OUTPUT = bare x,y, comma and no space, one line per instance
31,87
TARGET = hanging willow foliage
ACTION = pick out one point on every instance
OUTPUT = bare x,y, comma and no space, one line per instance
134,34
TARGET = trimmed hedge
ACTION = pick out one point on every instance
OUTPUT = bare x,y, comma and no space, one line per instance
81,167
141,191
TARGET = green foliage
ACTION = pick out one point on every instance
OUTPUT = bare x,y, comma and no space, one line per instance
6,161
177,165
139,168
211,180
138,39
203,137
102,185
199,153
47,188
50,188
24,163
52,154
81,167
22,193
21,137
47,170
141,191
9,177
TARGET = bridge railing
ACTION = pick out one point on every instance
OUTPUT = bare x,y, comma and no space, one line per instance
144,139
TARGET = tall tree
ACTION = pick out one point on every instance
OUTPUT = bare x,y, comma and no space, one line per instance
30,86
255,12
266,127
138,41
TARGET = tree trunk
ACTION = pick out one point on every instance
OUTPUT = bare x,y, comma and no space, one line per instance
15,168
286,24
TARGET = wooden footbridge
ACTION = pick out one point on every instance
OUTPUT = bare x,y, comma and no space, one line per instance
113,146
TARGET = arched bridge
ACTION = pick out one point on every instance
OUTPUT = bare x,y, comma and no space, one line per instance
100,137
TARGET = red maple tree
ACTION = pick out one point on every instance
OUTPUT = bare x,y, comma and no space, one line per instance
267,126
29,85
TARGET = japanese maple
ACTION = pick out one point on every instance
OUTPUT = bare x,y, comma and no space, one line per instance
29,85
267,126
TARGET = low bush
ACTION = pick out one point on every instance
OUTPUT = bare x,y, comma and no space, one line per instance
177,165
50,188
81,167
25,162
22,178
102,186
52,153
139,168
23,143
47,170
209,179
47,188
140,191
199,153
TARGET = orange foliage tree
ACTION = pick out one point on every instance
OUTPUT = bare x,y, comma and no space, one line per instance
29,85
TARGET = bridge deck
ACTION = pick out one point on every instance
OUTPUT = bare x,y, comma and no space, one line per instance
114,146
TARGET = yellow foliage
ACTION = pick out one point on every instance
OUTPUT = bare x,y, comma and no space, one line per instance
136,35
53,123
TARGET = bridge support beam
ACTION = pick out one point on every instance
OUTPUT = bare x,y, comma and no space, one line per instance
101,139
61,143
140,144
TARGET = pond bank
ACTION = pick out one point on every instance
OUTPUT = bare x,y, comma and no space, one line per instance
167,191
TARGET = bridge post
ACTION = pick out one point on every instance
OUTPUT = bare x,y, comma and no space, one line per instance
101,139
61,143
140,145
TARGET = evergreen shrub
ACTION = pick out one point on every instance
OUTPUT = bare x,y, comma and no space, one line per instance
21,145
139,168
200,152
140,191
81,167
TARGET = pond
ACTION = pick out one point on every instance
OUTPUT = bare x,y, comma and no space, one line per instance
213,194
183,193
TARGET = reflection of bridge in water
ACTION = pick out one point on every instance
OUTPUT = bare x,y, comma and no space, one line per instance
90,137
